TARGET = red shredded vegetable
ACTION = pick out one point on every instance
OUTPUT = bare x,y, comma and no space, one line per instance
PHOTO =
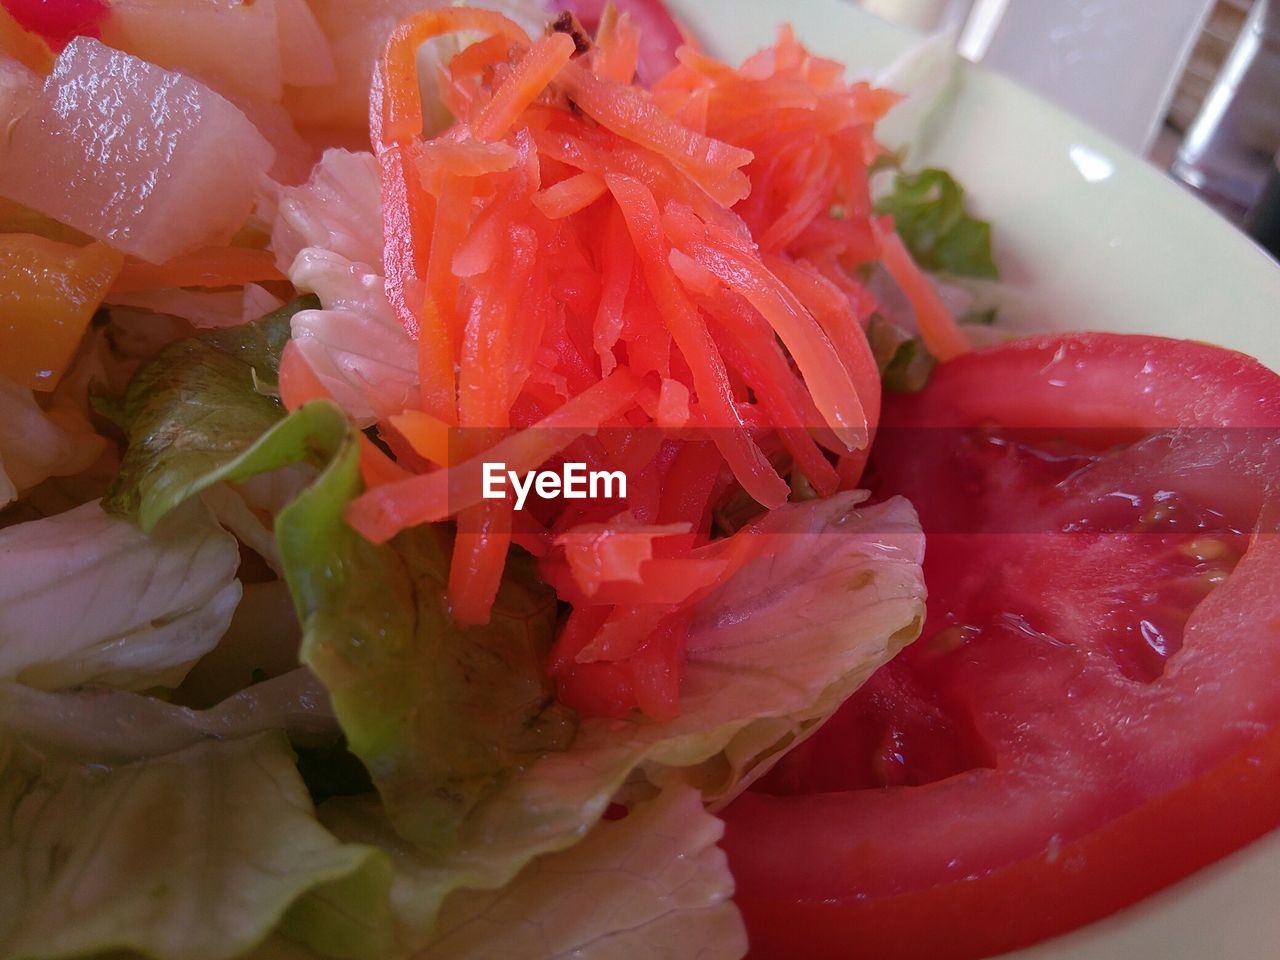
656,281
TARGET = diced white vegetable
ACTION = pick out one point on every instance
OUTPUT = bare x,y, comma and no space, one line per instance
294,156
17,86
304,50
228,44
149,161
203,309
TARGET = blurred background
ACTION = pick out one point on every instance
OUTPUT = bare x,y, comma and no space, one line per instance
1193,85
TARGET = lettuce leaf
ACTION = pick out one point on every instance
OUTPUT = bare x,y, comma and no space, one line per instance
196,855
99,724
905,362
190,411
328,238
771,655
338,209
479,771
85,597
457,727
356,345
442,715
929,212
652,884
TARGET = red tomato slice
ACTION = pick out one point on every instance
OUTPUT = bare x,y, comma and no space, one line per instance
1092,711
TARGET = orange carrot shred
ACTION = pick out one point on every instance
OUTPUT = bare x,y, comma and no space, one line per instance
526,82
479,556
649,281
298,381
428,436
399,118
569,195
617,50
941,333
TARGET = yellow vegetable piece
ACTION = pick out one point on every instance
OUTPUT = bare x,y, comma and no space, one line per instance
16,218
48,294
428,436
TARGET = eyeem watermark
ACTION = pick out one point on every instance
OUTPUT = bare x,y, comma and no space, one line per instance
573,482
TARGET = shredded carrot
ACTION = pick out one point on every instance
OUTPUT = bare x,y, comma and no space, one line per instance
298,381
428,436
941,333
569,195
383,512
210,267
376,468
479,556
396,114
617,50
712,164
650,282
526,82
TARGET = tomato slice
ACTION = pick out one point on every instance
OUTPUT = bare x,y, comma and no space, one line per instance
1092,710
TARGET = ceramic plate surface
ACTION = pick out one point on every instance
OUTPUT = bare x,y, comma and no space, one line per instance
1088,237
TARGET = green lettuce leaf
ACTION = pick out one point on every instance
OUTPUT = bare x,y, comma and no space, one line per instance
929,212
193,409
651,884
196,855
479,771
442,715
771,655
905,362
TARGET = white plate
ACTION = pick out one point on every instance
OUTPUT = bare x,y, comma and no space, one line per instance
1089,237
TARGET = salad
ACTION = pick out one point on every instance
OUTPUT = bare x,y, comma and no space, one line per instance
498,481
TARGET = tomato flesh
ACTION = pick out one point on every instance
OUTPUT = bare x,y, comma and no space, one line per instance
1098,663
59,21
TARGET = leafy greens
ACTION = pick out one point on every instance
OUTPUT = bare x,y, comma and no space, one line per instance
193,409
482,778
929,213
194,855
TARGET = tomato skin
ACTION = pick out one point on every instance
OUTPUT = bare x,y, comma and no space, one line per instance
1081,807
1096,380
1138,854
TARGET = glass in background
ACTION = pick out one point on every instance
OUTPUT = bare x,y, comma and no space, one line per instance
1113,63
1228,149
